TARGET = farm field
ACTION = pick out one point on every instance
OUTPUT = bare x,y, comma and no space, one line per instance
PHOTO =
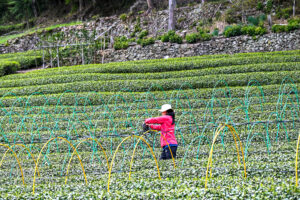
94,108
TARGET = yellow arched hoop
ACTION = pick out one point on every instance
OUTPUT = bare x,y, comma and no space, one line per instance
22,145
112,161
33,188
4,145
103,150
296,161
234,135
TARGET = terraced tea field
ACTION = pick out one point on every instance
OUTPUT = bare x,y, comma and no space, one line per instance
82,125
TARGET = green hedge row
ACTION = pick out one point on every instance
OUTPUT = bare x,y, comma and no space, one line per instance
43,80
25,60
8,67
182,110
82,121
158,67
242,79
101,98
158,63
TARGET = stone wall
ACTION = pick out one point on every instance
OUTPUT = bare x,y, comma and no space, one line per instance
218,45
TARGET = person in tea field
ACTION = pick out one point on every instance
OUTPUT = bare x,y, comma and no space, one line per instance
165,124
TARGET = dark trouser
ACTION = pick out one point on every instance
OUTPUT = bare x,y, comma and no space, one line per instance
166,154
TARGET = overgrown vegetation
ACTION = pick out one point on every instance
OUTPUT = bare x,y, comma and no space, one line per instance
4,39
293,24
236,30
172,37
121,43
202,35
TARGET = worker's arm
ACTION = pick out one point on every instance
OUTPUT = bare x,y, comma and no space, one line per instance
155,127
156,120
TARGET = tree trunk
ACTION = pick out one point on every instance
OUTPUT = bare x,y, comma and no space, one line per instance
34,8
171,15
150,7
80,5
270,20
294,8
243,13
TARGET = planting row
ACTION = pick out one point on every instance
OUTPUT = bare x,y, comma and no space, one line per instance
42,80
168,65
241,79
152,98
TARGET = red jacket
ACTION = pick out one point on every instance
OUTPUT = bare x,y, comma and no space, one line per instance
165,126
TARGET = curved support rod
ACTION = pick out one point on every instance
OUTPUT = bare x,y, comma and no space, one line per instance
64,139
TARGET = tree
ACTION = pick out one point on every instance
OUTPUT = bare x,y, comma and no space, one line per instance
294,8
171,15
3,8
21,9
34,8
150,6
80,5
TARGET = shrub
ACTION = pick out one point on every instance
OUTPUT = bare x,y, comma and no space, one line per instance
284,13
132,34
202,30
137,28
175,39
143,34
232,31
260,31
248,30
205,36
218,15
121,43
261,24
194,24
8,67
123,17
293,24
165,38
269,6
192,38
294,20
131,40
145,42
181,19
215,32
253,30
278,28
260,6
172,37
253,20
256,20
